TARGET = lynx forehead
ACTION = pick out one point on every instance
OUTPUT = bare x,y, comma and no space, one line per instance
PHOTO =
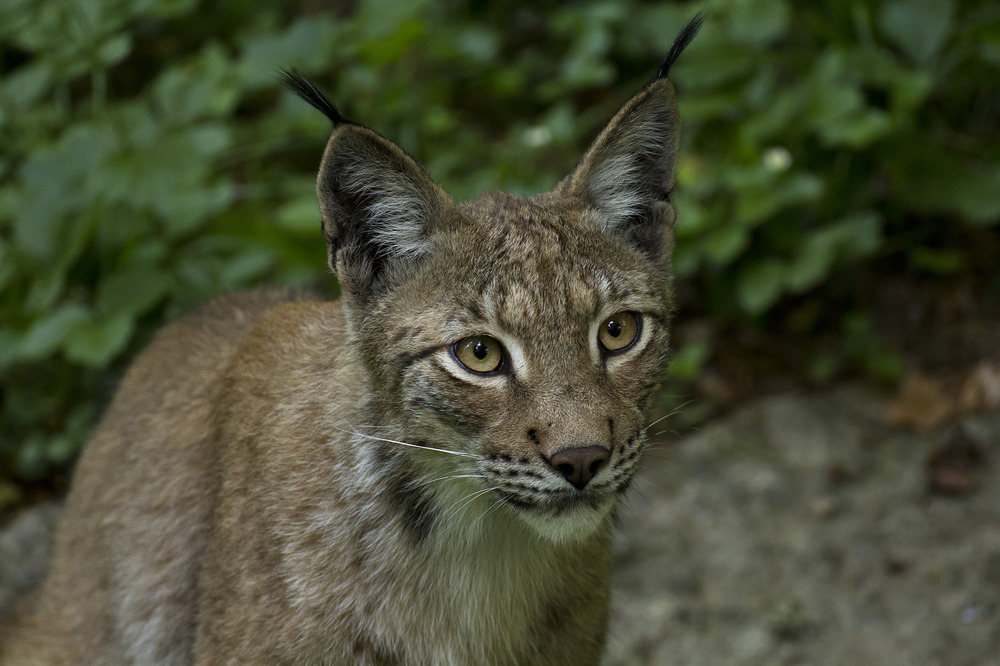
533,270
421,473
553,262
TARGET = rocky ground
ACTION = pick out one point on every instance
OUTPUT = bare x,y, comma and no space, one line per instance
805,529
25,545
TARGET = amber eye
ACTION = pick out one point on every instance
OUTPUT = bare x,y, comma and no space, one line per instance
618,331
480,353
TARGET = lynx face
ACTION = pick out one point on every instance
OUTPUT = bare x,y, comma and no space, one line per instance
529,340
516,340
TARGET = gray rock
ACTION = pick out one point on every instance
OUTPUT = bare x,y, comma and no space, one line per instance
25,547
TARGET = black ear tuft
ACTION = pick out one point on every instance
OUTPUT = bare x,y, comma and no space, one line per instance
680,43
310,93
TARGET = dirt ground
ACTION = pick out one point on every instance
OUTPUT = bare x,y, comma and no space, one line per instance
803,529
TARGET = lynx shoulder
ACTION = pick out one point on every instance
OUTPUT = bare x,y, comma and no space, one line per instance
421,473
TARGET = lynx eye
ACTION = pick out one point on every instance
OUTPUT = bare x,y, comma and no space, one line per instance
618,331
480,353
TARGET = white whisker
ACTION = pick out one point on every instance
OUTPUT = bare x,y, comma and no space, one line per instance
447,478
462,503
643,484
491,507
674,411
354,431
472,497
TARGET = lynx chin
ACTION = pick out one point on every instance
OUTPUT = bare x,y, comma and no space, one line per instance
423,472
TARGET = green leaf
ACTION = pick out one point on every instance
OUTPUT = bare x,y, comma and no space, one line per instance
246,267
23,87
204,87
760,285
722,245
44,291
133,290
31,460
919,27
811,264
848,239
48,334
300,215
857,235
54,189
8,265
114,50
759,202
301,45
479,43
688,361
95,343
757,22
929,180
860,130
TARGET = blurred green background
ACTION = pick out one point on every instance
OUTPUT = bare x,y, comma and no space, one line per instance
149,160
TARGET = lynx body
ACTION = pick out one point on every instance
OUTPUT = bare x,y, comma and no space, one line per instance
422,473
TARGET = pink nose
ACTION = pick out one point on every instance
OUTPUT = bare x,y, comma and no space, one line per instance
579,464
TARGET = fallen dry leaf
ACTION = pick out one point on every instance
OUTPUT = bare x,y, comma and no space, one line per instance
921,402
981,389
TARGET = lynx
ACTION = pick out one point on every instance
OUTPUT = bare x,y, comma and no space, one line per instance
424,472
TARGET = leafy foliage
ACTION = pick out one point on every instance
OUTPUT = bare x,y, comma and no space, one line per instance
150,159
839,124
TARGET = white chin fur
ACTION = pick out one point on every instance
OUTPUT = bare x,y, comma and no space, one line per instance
574,524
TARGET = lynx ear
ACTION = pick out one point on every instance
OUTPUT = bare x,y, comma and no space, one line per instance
628,172
379,209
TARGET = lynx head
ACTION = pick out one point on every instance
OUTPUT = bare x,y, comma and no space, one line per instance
525,334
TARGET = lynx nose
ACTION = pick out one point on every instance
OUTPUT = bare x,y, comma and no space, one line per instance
579,464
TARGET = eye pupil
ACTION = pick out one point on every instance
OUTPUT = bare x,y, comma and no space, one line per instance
619,331
479,353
